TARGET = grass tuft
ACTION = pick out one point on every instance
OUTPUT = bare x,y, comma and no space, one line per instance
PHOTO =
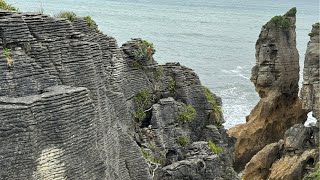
214,148
69,15
187,113
182,141
5,6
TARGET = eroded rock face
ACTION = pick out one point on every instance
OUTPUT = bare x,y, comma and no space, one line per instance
200,163
310,92
299,155
67,106
293,167
275,76
260,164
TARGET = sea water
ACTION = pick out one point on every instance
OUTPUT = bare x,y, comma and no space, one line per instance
216,38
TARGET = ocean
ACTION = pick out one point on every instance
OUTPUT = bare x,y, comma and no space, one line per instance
216,38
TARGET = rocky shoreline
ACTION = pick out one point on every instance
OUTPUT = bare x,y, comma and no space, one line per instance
75,105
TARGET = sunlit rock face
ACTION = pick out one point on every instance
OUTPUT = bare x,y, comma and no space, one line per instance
276,77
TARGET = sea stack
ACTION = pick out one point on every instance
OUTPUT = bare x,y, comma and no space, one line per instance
276,77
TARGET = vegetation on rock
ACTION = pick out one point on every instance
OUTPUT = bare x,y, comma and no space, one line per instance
71,16
316,31
7,53
149,157
158,73
182,140
89,21
216,110
292,12
214,148
144,52
283,21
172,85
5,6
187,113
142,100
315,174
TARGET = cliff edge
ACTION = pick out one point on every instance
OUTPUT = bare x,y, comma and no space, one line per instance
74,105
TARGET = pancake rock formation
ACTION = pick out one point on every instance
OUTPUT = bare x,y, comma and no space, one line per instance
74,105
276,77
294,155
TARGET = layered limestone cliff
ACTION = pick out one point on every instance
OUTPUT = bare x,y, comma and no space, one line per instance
296,155
275,76
310,92
73,105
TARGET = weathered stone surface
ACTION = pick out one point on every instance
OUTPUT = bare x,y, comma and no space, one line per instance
67,105
200,163
259,166
297,137
298,141
310,92
293,167
275,76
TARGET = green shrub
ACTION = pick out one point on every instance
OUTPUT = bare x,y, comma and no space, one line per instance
144,52
71,16
187,113
214,148
7,53
291,13
142,100
149,157
216,110
182,140
5,6
172,85
281,21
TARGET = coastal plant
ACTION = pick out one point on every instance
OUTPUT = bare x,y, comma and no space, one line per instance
216,110
214,148
291,13
7,53
187,113
69,15
283,21
149,157
144,52
158,73
89,21
182,141
142,100
172,85
5,6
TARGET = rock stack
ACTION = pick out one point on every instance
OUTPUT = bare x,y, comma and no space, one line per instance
74,105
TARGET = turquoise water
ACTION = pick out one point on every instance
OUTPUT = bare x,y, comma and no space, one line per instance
214,37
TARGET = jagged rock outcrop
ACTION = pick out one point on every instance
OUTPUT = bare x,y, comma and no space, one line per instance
297,155
76,106
259,166
310,92
288,159
200,163
275,76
